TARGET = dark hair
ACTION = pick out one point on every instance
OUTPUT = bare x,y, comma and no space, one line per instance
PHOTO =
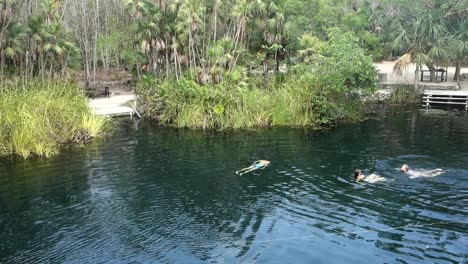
356,173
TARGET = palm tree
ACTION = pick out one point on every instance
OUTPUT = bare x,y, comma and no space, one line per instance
37,33
57,48
188,23
310,47
51,8
458,45
424,43
8,10
219,58
12,44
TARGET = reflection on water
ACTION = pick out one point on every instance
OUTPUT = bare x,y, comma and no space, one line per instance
171,195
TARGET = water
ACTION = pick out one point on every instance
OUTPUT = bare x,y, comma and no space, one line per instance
164,195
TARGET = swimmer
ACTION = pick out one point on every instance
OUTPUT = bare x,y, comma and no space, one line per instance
358,176
420,172
404,168
259,164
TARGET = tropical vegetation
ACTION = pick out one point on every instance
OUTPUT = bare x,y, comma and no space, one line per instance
241,63
41,117
319,93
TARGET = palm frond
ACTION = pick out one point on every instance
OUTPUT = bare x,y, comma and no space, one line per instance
402,64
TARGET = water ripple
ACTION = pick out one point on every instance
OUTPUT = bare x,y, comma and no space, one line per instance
171,195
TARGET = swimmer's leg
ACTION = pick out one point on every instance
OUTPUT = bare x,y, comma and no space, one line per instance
244,169
247,171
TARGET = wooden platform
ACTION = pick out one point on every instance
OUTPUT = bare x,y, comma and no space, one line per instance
445,97
450,86
122,105
115,111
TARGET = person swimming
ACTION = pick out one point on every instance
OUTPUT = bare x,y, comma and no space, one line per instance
420,172
404,168
373,178
259,164
358,175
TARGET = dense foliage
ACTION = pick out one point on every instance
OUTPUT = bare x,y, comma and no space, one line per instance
38,118
315,94
241,63
205,39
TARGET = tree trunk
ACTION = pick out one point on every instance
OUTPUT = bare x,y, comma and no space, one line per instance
432,71
1,52
456,76
65,64
96,35
277,66
265,70
117,60
51,70
166,50
2,63
416,77
175,64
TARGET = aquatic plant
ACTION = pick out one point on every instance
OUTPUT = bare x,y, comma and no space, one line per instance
38,118
405,94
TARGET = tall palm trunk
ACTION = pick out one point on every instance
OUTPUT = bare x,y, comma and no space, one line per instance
416,76
2,63
166,51
456,76
96,36
1,54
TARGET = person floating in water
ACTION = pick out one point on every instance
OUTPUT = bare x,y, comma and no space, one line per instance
404,168
358,176
420,172
259,164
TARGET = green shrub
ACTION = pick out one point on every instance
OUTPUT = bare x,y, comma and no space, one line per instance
297,102
39,117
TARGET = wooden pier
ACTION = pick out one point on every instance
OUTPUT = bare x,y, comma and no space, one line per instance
121,105
445,97
116,111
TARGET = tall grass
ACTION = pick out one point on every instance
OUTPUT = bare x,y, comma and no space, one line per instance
296,102
38,118
405,94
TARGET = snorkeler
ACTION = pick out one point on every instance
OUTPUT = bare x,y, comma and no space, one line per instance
420,172
259,164
358,176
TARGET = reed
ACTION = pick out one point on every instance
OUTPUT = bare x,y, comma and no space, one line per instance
38,118
405,94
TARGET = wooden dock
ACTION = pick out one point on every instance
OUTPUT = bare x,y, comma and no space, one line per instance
121,105
116,111
445,97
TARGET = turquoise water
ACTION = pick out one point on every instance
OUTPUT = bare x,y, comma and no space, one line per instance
163,195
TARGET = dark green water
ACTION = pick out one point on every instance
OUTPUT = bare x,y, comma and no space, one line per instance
163,195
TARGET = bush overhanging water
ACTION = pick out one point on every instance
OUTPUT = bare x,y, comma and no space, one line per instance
37,119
